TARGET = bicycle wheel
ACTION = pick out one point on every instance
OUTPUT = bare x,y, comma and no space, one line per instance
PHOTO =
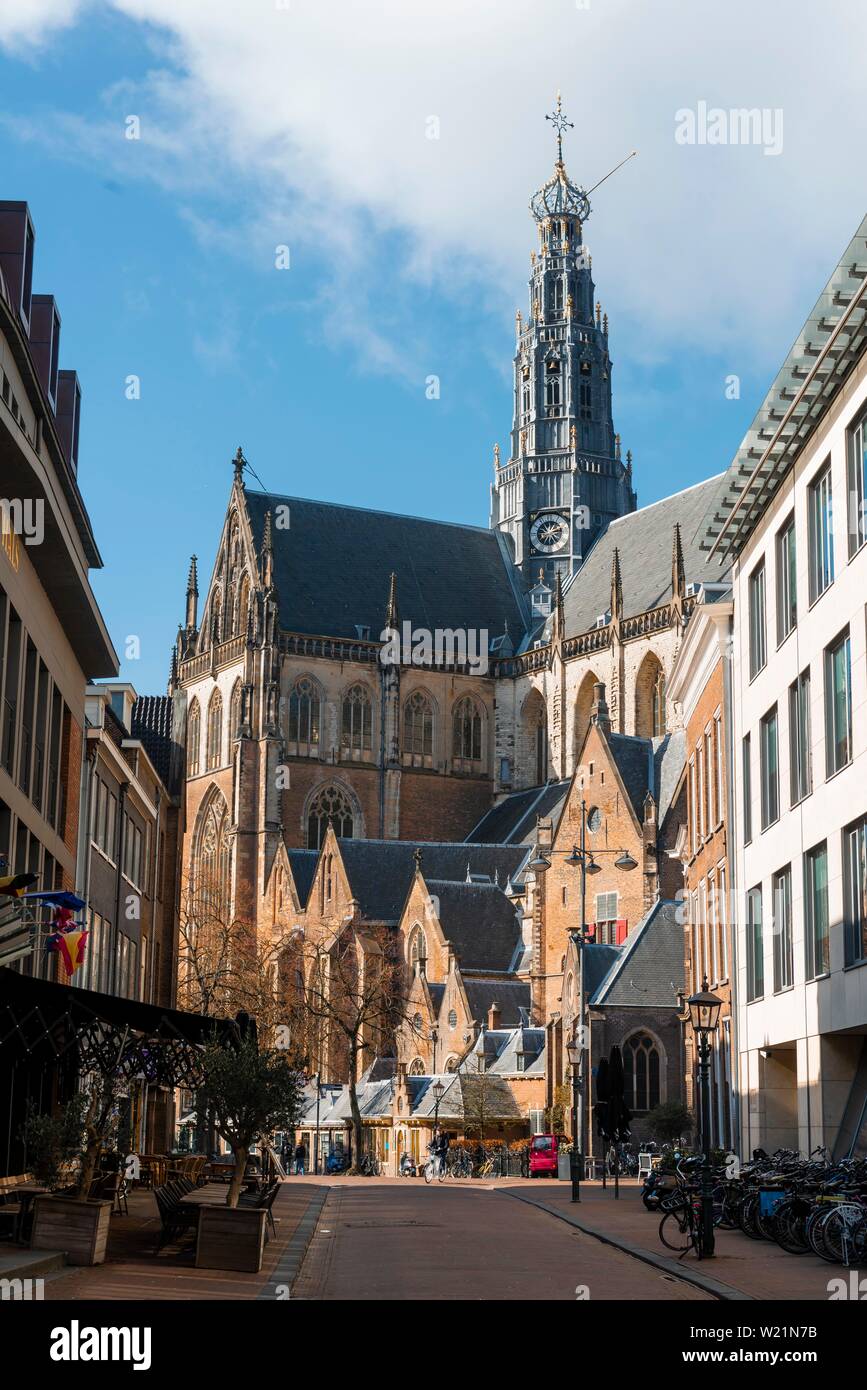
838,1230
428,1172
815,1221
674,1230
747,1217
789,1228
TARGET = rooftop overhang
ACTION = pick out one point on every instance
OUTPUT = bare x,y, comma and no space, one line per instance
831,341
59,559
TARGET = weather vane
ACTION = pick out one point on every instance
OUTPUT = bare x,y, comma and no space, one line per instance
559,122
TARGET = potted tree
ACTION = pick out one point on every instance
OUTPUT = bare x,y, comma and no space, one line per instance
250,1093
73,1221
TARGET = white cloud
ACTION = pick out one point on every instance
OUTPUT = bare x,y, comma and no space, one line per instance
25,24
322,109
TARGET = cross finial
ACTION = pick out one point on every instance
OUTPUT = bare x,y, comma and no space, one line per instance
239,463
559,122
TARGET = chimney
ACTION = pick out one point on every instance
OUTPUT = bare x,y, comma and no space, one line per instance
17,241
68,415
494,1016
599,712
45,342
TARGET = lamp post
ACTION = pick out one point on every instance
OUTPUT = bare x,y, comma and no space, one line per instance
576,1052
580,857
439,1091
316,1150
704,1011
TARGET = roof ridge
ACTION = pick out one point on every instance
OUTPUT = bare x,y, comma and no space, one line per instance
681,492
372,511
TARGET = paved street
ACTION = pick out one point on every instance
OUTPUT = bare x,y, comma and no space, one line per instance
399,1239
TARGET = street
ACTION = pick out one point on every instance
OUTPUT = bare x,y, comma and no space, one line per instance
401,1239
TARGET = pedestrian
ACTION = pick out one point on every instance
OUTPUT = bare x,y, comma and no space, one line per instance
300,1160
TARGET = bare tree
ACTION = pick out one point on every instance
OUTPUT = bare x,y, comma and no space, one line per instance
354,996
225,966
482,1095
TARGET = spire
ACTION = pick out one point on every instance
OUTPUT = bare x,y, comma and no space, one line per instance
558,604
559,122
678,582
173,671
391,618
192,595
616,588
267,553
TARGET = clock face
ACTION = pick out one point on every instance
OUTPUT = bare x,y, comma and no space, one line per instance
549,533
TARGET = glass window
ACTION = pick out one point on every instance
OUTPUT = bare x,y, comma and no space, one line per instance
820,534
783,928
748,789
856,468
800,760
755,946
758,644
770,769
855,890
356,720
816,933
304,717
787,607
838,704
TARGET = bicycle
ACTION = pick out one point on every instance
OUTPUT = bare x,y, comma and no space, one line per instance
434,1169
370,1166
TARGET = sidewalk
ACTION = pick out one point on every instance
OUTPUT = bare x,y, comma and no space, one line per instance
132,1269
756,1269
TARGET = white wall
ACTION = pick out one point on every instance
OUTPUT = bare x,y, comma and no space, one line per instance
800,1015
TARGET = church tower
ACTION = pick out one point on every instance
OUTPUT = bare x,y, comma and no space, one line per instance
564,479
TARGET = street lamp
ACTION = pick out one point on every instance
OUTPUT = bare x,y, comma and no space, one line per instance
704,1011
318,1098
439,1091
574,1051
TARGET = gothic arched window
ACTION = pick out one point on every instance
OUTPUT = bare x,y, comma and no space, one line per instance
535,723
243,603
417,946
235,711
304,718
356,720
650,698
330,807
416,1067
557,296
217,617
658,704
467,730
194,739
211,862
585,392
214,752
641,1071
418,726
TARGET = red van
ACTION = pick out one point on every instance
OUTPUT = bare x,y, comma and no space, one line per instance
543,1155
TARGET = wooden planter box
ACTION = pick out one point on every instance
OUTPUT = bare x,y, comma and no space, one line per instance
231,1238
79,1229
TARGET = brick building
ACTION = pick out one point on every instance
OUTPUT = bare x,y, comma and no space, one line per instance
701,683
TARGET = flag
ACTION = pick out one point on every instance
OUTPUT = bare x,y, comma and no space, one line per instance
13,885
70,944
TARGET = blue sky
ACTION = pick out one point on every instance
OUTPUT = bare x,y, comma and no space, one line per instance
262,126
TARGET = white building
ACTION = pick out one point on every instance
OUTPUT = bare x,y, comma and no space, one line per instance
792,517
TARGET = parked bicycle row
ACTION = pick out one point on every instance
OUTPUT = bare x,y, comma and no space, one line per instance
806,1206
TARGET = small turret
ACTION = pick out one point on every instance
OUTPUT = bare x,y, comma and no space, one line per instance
192,596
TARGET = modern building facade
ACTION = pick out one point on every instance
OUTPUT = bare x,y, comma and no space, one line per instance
792,521
52,635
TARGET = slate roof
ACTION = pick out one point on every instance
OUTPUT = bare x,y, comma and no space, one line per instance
513,820
598,961
332,568
644,540
502,1045
151,723
461,1088
303,865
649,969
513,997
478,920
649,764
381,871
